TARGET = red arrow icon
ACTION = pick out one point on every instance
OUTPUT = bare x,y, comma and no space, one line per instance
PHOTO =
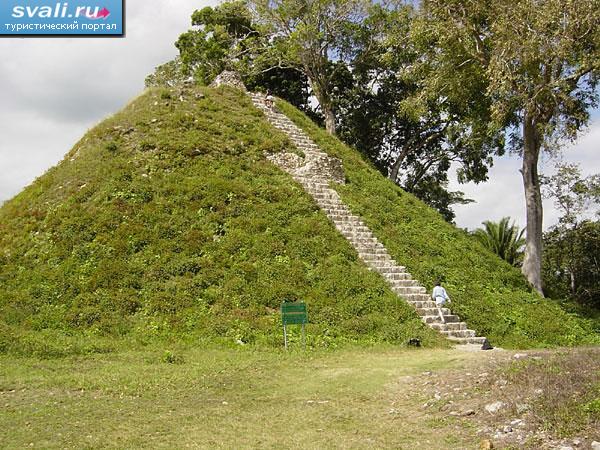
102,14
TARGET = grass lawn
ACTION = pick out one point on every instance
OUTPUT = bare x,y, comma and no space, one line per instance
228,398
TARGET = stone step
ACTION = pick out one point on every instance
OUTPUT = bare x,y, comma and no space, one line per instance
458,333
351,235
353,227
311,150
469,340
354,237
301,140
448,318
326,199
349,219
433,311
338,214
321,193
286,127
308,146
404,283
371,248
333,206
423,304
316,185
359,231
297,133
384,267
311,154
364,241
325,193
451,326
345,217
330,202
337,210
404,290
369,257
417,298
397,276
322,190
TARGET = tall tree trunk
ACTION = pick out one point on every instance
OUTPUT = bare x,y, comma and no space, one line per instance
395,169
324,100
532,263
329,118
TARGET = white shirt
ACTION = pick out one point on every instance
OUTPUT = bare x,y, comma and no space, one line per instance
439,291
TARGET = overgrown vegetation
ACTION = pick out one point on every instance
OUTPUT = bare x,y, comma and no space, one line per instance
493,297
167,222
419,86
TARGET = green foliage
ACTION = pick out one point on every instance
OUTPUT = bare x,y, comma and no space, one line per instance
593,408
571,268
167,222
487,292
168,74
221,39
524,68
573,194
414,147
316,38
503,239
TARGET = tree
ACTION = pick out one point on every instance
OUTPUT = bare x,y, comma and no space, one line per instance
537,64
503,239
310,36
414,153
224,37
572,193
168,74
574,196
571,266
414,148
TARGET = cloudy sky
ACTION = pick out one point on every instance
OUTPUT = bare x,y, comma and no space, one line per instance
53,90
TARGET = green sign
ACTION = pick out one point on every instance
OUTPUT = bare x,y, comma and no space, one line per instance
293,313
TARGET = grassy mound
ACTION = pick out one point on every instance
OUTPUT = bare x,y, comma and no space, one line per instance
488,293
167,222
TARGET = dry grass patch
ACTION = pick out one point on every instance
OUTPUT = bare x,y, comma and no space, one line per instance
560,392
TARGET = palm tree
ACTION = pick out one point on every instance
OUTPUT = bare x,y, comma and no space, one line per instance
503,239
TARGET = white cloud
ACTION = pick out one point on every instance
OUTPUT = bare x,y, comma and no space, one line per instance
53,90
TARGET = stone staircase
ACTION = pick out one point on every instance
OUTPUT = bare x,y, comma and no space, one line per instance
315,172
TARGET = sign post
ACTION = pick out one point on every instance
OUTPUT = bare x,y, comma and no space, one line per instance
293,313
